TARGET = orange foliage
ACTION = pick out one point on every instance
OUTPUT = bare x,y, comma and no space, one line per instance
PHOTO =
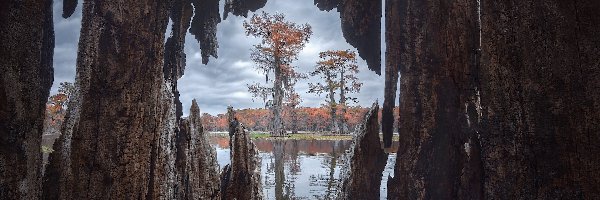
309,119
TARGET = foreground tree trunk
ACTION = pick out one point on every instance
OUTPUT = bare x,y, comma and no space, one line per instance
512,117
196,162
241,179
393,56
26,50
117,141
361,178
438,148
540,94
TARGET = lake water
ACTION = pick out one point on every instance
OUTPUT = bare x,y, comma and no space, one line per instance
300,169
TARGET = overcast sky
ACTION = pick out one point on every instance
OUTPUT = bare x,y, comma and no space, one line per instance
223,81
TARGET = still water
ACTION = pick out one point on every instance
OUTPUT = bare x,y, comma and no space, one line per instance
300,169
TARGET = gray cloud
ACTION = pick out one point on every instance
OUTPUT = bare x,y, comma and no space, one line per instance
66,32
223,81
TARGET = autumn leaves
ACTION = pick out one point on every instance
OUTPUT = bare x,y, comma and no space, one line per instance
281,43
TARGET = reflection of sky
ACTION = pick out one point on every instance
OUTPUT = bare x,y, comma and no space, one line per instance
222,156
388,171
310,181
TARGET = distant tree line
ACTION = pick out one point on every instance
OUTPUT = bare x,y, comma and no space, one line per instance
307,119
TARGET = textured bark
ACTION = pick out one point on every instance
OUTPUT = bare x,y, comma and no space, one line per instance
57,171
393,27
332,105
117,141
241,179
123,124
196,163
327,5
181,13
361,26
526,115
204,26
242,7
541,99
278,128
367,161
437,154
69,8
26,50
58,176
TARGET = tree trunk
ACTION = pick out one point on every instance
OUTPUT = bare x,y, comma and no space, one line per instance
26,50
332,105
540,72
392,65
294,117
124,121
241,178
277,107
438,148
342,114
196,162
360,178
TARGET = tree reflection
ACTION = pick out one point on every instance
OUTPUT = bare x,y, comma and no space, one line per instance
278,152
285,155
305,169
331,183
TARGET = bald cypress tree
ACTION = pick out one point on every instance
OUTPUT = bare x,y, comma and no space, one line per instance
338,70
281,43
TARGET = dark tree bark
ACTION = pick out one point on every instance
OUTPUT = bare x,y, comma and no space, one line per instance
118,135
362,176
242,7
26,50
196,162
540,98
393,26
438,149
204,26
519,107
117,140
361,26
241,178
68,8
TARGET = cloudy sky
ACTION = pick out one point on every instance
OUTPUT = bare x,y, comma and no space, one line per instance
223,81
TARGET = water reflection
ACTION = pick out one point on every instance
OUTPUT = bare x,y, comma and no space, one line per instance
299,169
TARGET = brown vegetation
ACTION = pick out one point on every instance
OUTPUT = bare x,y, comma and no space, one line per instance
308,119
